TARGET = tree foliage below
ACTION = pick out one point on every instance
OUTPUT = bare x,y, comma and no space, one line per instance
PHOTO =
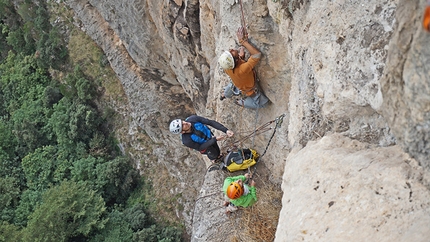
62,178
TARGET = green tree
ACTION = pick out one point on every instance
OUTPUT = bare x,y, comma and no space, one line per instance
7,139
148,234
41,22
52,95
170,234
21,81
117,229
137,217
68,211
73,124
156,233
29,126
9,20
118,179
9,197
28,202
58,165
10,232
135,225
27,30
50,50
39,168
23,87
9,164
7,10
113,179
79,87
21,40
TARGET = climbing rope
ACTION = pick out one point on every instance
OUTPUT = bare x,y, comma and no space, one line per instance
278,122
255,125
241,125
257,131
253,139
263,128
242,20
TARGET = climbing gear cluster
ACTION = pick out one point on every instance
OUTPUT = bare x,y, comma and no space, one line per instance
257,131
236,158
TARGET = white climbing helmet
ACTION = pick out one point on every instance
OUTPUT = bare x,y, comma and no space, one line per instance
226,60
176,126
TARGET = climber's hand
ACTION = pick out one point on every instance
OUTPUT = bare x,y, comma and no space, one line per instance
241,35
221,137
241,52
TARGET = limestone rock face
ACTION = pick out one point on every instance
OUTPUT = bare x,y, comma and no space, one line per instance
406,83
373,194
351,78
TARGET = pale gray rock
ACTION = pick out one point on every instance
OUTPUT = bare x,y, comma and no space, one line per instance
372,194
210,220
406,83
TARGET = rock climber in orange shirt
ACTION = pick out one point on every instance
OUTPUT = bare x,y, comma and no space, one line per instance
242,74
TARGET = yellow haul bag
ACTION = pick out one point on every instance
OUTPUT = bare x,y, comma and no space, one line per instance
241,159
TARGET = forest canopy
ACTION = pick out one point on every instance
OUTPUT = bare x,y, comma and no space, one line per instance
62,175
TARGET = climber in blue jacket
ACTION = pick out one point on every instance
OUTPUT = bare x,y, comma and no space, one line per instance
196,135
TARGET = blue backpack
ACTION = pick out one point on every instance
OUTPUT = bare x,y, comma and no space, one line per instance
201,133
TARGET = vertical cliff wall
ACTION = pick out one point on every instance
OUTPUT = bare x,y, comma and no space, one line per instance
333,67
406,82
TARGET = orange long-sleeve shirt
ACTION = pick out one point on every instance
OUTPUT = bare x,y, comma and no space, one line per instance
426,19
243,75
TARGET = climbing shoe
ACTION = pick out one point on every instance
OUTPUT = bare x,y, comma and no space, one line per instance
219,159
214,167
239,102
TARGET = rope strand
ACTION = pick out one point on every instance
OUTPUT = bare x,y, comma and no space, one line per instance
245,32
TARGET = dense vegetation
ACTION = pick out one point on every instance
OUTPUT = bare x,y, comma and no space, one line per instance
62,177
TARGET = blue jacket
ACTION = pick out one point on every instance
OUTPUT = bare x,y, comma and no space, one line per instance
199,138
